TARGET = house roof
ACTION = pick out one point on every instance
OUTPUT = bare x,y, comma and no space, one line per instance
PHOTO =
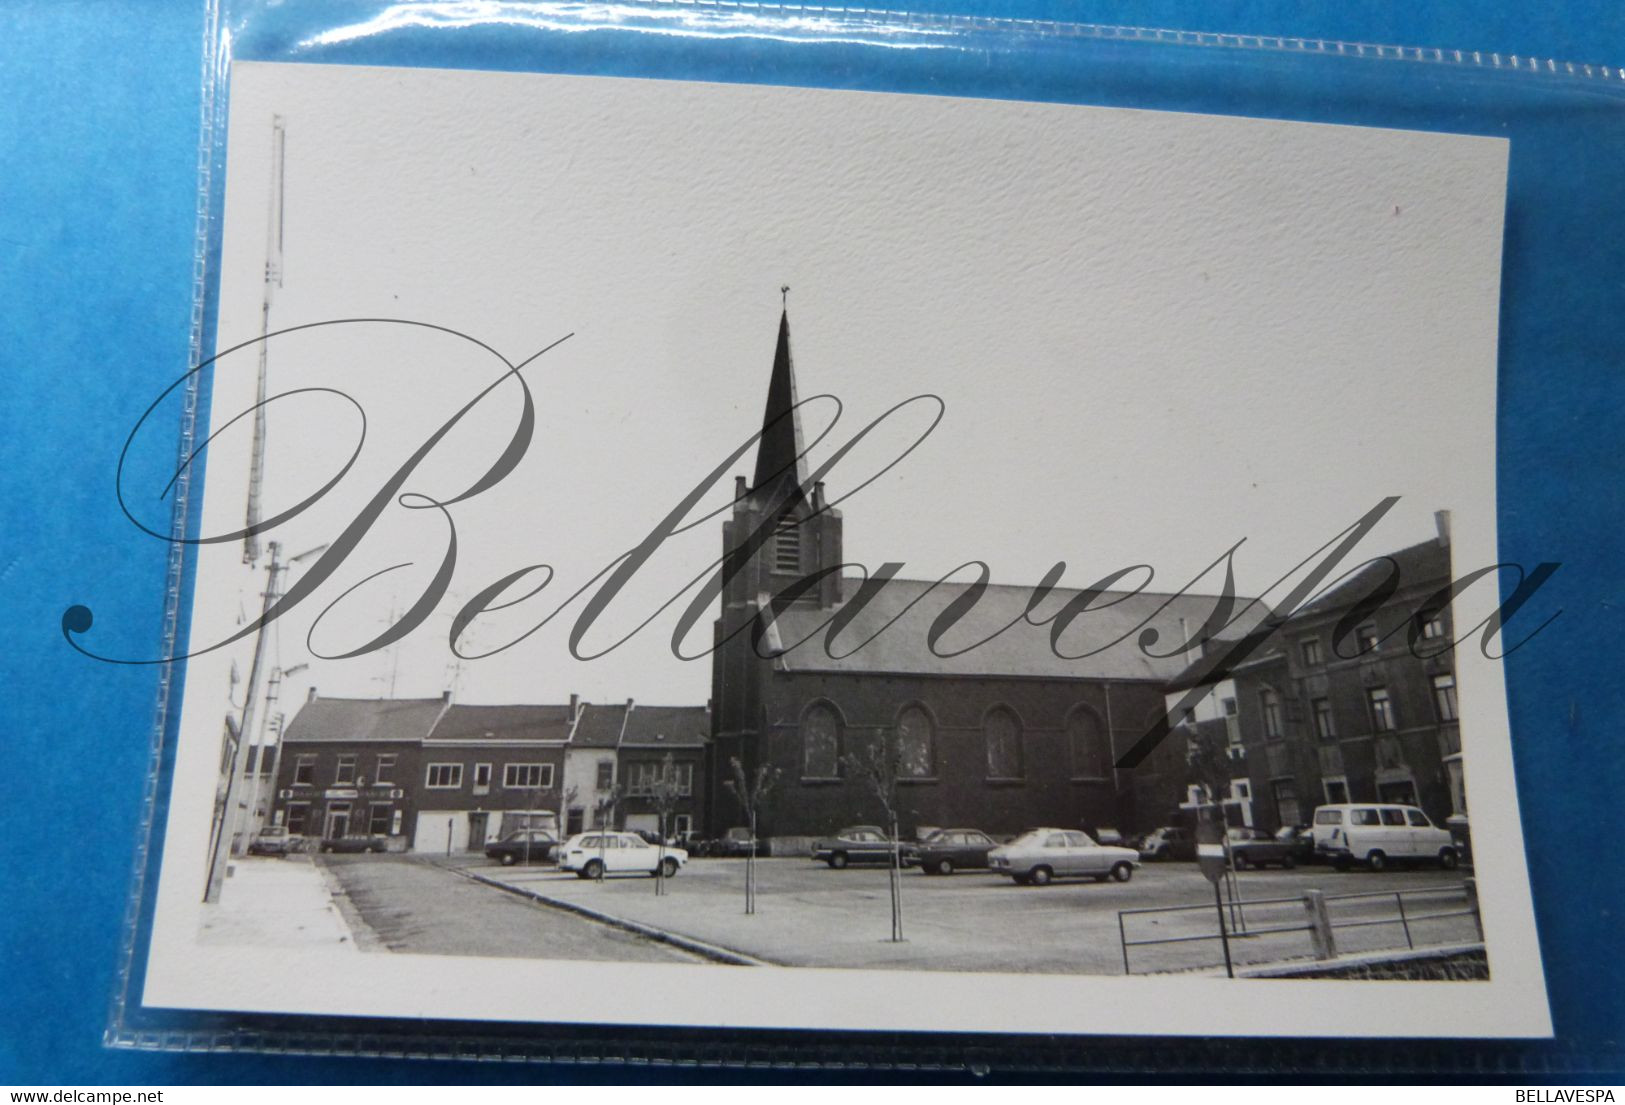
365,719
901,614
666,726
1427,563
600,726
503,723
1202,672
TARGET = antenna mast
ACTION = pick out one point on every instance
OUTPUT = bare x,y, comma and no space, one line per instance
273,280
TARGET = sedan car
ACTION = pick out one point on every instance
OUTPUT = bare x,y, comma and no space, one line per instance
1036,858
948,850
1256,848
854,844
534,845
593,854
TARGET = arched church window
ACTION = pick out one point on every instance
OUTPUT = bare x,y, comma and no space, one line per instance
1002,731
1091,756
820,743
916,744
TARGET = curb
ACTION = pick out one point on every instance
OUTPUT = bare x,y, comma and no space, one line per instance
712,952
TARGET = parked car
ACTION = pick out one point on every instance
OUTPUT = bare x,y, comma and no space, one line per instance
614,853
354,844
273,840
1168,842
854,844
1257,848
1378,835
735,842
1037,857
1108,835
535,844
948,850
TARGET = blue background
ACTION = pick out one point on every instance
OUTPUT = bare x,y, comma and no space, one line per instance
99,109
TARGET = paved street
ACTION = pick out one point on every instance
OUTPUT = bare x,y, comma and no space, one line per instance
809,915
411,906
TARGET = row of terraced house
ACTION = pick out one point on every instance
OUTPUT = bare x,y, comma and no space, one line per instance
433,775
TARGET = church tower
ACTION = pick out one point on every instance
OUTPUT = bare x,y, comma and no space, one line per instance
781,546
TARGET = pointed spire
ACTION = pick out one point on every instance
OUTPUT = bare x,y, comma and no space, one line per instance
779,462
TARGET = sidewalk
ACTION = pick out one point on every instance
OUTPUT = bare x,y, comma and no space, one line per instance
276,903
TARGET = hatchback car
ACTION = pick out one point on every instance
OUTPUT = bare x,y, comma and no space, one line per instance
1168,842
611,853
1036,858
1256,848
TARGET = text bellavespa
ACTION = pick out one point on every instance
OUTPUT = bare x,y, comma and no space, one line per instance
708,585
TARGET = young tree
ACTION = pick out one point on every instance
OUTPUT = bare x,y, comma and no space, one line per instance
751,795
664,795
879,764
604,815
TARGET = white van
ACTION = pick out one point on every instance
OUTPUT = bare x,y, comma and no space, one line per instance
1376,835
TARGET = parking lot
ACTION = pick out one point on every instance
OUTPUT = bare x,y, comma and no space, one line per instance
810,915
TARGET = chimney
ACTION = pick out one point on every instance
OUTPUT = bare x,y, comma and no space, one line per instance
1441,520
629,705
575,707
445,696
311,697
739,488
818,495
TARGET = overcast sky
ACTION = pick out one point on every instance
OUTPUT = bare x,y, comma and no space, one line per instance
1154,335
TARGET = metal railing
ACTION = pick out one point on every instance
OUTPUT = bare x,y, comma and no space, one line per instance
1319,924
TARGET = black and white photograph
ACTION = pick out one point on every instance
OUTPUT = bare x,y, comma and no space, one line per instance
678,553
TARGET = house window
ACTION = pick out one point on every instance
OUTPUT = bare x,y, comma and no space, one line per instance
820,743
304,771
298,817
378,820
787,546
1271,704
1232,720
684,773
1382,709
1090,756
1286,802
1311,651
681,825
1430,626
1337,792
1366,638
482,778
345,773
916,744
606,774
444,776
1002,733
1444,696
643,777
386,768
530,776
1325,727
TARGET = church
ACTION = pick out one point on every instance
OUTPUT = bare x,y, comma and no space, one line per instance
1010,735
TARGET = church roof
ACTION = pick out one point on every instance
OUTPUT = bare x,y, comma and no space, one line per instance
1017,646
